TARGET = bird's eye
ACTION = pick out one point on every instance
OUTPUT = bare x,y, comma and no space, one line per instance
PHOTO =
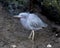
23,16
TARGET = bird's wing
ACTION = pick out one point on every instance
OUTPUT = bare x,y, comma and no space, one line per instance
35,22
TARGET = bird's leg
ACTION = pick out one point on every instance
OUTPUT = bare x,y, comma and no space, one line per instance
33,34
30,34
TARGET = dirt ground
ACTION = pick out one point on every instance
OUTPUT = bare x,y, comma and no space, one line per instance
12,33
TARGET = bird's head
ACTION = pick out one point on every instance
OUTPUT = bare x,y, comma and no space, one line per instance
22,15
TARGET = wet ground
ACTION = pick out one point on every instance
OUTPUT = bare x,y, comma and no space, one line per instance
12,33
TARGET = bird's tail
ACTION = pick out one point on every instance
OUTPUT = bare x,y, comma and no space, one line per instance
45,25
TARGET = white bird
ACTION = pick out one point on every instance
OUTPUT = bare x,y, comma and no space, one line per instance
31,22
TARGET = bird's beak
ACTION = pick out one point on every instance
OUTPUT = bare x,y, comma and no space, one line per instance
16,16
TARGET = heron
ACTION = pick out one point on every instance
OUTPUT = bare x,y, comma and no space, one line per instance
31,21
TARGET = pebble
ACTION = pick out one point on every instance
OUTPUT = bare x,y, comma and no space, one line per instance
14,46
49,45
